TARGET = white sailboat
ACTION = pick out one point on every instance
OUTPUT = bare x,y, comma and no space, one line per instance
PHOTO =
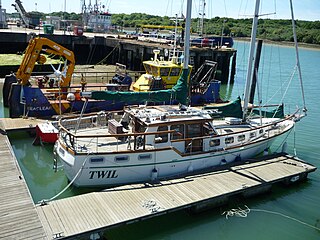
157,142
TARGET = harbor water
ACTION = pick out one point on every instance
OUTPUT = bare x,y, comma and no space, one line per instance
284,213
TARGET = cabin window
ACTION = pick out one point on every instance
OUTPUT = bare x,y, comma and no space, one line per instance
164,72
145,157
96,160
179,132
148,68
193,130
229,140
214,142
260,131
138,127
253,134
241,138
121,158
161,137
155,71
175,72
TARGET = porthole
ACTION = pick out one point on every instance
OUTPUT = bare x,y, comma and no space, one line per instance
97,160
145,157
229,140
241,138
121,158
214,142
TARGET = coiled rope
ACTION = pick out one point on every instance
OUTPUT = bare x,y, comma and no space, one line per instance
239,212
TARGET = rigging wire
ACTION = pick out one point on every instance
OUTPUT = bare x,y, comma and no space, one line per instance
280,70
284,94
196,8
294,140
269,74
106,57
297,55
225,8
244,10
168,3
181,9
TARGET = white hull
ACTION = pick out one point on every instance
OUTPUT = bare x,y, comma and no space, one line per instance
167,163
159,148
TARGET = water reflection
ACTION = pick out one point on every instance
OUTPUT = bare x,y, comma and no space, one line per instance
36,163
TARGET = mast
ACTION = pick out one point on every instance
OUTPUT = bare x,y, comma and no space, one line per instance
250,59
255,72
187,36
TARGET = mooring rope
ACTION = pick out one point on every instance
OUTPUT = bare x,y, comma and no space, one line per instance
106,57
45,201
239,212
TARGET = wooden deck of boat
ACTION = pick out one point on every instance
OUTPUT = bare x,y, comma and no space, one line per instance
18,216
98,211
10,124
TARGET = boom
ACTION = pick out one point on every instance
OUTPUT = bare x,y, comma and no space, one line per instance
33,55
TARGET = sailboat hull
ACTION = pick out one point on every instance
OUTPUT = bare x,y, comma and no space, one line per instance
161,164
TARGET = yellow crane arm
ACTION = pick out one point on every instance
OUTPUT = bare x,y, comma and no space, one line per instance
32,55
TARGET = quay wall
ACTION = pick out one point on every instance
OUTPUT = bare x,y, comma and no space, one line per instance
111,50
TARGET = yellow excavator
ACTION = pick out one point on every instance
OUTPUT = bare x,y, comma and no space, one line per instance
33,55
20,96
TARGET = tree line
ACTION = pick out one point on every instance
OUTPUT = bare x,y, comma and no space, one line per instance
270,29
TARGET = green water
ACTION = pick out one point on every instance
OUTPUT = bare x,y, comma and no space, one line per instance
300,201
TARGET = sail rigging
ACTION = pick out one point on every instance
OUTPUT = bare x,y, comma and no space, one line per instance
297,56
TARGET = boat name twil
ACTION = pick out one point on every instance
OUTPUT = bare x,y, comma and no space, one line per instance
103,174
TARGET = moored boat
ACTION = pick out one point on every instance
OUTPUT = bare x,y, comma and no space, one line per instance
152,143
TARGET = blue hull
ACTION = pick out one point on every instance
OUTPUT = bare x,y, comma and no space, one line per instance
31,102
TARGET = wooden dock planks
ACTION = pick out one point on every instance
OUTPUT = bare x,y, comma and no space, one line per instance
10,124
18,216
100,210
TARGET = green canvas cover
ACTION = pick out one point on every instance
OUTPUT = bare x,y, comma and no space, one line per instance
278,112
179,92
232,109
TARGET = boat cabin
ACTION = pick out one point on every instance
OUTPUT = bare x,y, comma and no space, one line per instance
182,129
160,74
140,129
188,131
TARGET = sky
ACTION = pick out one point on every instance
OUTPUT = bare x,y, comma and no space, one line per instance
303,9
